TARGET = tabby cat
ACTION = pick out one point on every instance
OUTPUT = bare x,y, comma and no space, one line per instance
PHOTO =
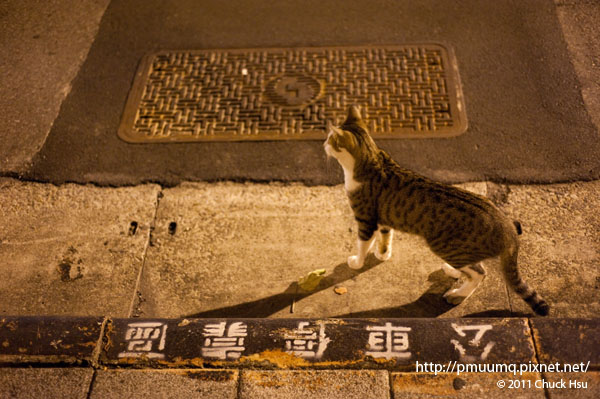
460,227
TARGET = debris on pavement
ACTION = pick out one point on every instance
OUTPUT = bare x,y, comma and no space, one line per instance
311,280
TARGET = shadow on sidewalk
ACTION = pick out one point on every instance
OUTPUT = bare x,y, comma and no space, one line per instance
270,305
430,304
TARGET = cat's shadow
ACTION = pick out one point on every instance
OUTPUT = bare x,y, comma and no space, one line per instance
430,304
270,305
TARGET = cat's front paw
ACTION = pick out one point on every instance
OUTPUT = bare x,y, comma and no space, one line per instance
354,263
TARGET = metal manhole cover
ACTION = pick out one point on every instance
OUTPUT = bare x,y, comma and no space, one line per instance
410,91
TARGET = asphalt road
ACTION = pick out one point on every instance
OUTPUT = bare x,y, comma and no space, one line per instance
527,120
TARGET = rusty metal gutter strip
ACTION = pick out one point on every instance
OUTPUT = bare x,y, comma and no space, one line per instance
391,344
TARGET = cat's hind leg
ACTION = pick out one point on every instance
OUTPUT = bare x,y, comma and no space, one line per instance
474,275
384,245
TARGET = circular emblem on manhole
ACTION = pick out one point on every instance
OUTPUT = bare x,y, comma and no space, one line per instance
293,90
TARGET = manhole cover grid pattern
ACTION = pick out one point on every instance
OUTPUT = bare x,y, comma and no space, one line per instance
265,94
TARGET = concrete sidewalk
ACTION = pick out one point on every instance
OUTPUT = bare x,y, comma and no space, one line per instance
254,384
236,250
188,251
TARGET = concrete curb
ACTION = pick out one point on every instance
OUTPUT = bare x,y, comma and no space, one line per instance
392,344
47,340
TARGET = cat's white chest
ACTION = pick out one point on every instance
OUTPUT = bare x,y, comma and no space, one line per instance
347,163
350,183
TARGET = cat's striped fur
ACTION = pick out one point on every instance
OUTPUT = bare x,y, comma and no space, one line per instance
460,227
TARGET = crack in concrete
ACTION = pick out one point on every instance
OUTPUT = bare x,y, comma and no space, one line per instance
95,361
92,381
137,299
536,354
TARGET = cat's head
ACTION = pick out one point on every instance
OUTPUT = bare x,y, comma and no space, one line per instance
350,139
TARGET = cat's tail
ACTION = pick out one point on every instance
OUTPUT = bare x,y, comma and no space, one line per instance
508,260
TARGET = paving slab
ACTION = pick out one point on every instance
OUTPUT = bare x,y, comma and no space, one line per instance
50,340
43,45
568,341
164,384
35,383
238,250
465,385
573,385
72,250
527,119
560,239
395,344
366,384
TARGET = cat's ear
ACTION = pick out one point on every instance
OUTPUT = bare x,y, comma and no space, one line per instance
353,115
